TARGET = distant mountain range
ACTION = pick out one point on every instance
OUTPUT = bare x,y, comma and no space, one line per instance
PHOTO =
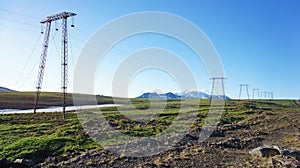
169,95
184,95
155,95
3,89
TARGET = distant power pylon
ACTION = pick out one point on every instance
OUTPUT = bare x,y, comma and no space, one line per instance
241,88
270,95
264,94
213,88
253,94
64,55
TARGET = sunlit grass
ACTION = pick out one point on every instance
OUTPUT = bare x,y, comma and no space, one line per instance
37,136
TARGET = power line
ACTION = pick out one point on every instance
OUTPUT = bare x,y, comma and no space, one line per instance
28,60
13,20
18,13
35,65
54,41
30,73
18,28
114,48
71,52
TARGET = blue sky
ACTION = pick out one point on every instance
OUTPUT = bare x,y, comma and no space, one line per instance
258,43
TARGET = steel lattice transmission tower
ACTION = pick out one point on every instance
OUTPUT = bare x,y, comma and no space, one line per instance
64,55
214,80
264,94
241,88
257,92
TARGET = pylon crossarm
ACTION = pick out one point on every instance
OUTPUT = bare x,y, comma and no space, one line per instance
58,17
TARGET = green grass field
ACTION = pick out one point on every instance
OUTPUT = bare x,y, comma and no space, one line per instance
25,100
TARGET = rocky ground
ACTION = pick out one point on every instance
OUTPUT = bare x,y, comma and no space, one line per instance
229,146
267,139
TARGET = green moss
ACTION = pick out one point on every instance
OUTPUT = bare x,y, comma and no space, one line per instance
36,147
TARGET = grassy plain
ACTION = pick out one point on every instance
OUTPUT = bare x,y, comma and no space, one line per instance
25,100
41,135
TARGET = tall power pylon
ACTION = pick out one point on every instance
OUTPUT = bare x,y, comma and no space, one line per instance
241,88
64,55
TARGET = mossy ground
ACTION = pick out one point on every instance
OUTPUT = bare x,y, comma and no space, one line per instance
38,136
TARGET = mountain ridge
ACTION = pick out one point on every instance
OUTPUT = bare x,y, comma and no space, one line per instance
4,89
184,95
155,95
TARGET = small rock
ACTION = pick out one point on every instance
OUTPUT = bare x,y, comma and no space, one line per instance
94,154
24,162
282,162
291,153
287,158
288,163
51,160
39,132
231,143
273,161
75,159
191,137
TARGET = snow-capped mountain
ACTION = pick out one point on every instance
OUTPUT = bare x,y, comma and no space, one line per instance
3,89
220,97
194,94
184,95
155,95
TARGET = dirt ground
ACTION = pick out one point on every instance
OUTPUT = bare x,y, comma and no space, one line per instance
228,146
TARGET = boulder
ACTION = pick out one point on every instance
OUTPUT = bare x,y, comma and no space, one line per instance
265,151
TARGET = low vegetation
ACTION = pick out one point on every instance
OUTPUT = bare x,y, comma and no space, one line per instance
39,136
25,100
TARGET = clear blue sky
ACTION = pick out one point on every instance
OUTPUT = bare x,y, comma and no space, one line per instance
258,42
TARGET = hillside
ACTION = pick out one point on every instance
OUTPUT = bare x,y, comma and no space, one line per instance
25,100
4,89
